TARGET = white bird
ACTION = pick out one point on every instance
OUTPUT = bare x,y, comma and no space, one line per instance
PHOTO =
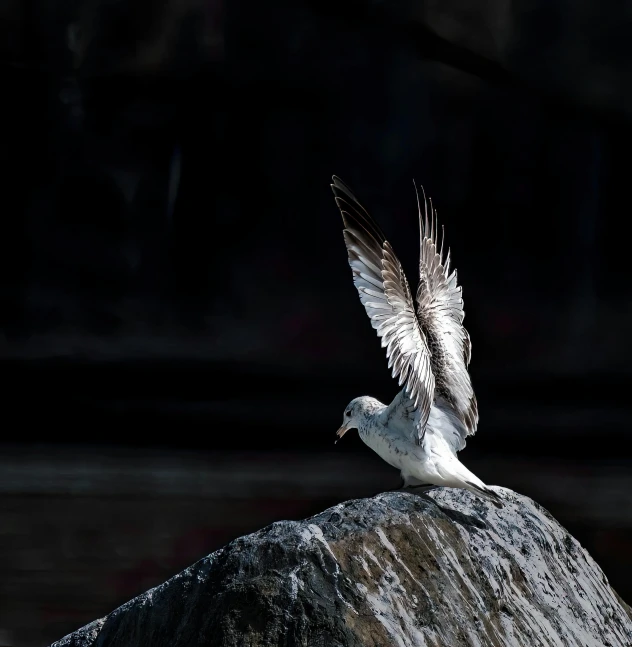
427,347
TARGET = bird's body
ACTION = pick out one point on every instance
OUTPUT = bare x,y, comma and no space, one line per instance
428,348
433,462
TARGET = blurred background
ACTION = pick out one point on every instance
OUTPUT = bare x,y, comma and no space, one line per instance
179,331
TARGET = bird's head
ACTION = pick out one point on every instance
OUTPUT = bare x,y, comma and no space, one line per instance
355,411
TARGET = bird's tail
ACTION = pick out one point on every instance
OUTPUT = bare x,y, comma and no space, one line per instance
459,476
486,492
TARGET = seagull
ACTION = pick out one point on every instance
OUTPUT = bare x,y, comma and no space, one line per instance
427,347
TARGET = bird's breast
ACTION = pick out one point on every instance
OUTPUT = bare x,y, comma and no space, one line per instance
388,445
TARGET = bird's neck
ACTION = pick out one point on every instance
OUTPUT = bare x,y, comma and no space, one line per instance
370,419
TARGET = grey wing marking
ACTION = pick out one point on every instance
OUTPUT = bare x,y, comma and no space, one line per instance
441,314
401,415
385,294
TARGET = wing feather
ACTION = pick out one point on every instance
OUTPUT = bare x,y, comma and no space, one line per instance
440,312
385,294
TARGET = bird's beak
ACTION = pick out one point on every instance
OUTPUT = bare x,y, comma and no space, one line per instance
340,433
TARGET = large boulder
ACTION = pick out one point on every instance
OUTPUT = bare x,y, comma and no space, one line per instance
444,569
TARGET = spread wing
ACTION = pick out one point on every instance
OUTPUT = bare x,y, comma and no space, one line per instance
440,312
384,292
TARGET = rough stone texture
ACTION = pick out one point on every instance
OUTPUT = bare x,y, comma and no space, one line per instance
397,569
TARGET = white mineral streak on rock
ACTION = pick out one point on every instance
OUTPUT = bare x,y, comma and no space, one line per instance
394,606
365,566
384,539
544,565
295,583
466,594
314,532
390,609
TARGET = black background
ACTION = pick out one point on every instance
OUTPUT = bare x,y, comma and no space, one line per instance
174,278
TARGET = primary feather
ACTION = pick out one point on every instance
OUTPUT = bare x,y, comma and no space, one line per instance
441,314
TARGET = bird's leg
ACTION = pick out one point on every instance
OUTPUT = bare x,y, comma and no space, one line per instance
411,483
421,486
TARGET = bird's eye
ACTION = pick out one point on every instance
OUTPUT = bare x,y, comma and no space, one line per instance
348,414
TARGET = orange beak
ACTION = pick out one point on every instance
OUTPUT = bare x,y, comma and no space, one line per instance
340,433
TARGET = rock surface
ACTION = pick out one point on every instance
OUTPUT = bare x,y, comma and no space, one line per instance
446,569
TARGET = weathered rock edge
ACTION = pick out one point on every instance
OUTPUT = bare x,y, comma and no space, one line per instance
446,569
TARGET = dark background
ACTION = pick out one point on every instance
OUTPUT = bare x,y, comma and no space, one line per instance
179,331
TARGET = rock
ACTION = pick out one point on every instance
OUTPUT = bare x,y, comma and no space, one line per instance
444,569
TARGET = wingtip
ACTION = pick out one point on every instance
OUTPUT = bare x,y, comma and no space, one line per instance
339,187
339,184
417,187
